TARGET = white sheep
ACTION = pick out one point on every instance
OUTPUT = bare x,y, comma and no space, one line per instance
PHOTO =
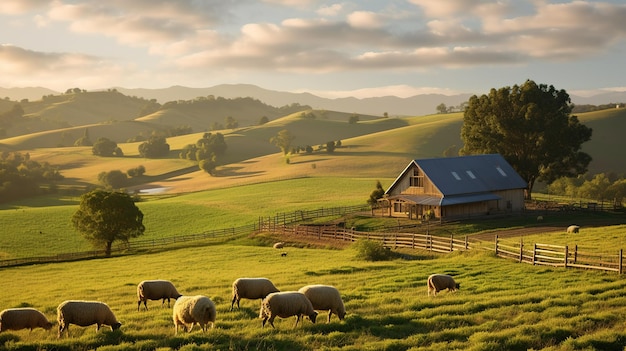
252,289
23,318
573,229
155,290
285,305
85,313
189,310
325,298
279,245
439,282
539,218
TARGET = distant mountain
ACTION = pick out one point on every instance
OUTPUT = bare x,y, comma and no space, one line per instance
392,105
31,93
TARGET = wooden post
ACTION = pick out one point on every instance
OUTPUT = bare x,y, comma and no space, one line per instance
521,249
620,260
496,243
566,254
451,242
534,254
575,253
466,243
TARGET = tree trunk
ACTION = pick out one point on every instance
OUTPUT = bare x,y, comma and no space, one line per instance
107,250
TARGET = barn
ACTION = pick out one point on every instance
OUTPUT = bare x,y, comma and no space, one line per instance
455,187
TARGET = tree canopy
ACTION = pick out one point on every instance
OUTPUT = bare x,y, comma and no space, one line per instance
283,140
531,127
103,217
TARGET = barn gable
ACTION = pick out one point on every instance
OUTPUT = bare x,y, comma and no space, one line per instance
456,186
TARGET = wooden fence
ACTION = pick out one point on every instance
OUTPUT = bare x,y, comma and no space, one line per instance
217,235
558,255
389,240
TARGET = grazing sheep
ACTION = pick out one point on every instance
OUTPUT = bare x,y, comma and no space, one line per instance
573,229
325,298
155,290
252,289
23,318
284,305
85,313
189,310
539,218
439,282
283,254
279,245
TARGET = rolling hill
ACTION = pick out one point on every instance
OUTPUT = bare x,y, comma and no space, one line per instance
375,147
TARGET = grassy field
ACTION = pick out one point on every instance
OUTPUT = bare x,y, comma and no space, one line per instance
42,227
501,305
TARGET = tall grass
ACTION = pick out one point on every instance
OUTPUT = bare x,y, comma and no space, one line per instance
501,305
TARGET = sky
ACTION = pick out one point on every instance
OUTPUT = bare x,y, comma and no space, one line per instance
328,48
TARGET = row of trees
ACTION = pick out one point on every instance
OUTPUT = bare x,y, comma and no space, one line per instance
600,187
20,176
207,151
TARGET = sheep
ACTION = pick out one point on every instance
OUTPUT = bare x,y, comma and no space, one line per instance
439,282
155,290
573,229
539,218
325,297
284,305
279,245
252,289
85,313
23,318
194,309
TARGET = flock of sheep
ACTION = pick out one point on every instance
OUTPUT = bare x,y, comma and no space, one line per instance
191,310
188,310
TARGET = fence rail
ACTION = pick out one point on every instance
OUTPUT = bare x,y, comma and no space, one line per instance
389,240
558,255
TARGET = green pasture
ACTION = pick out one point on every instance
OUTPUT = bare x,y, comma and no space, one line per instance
41,226
502,305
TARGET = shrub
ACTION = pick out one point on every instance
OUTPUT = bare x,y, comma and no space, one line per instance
370,250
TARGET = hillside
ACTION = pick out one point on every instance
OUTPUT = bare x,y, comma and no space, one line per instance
375,147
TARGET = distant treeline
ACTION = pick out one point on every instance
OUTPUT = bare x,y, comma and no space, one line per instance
591,108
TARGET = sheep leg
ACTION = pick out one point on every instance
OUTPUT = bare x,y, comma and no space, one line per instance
297,320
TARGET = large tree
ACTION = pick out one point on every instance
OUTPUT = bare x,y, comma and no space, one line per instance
283,140
103,217
531,127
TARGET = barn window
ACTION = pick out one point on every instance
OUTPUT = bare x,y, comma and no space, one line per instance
456,175
501,171
470,174
417,179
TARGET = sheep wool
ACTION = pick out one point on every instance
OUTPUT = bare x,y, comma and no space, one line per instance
285,305
23,318
191,310
279,245
252,289
573,229
85,313
439,282
156,290
325,298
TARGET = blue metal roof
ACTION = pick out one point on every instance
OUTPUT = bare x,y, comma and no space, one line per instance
464,175
471,174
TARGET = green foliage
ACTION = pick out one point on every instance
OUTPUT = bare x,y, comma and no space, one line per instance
115,179
283,140
531,127
330,147
376,194
104,217
601,187
136,172
106,148
21,177
154,147
371,250
263,120
208,165
354,119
